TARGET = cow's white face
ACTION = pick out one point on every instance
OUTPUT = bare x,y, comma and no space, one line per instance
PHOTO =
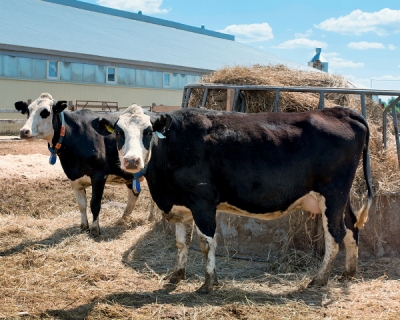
134,133
39,124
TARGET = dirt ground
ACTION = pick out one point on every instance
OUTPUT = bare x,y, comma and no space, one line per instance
48,269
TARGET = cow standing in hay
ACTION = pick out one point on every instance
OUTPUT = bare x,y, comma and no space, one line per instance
87,158
262,165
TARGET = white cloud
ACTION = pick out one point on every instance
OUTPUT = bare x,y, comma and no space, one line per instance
391,47
335,61
248,33
383,22
306,34
363,45
146,6
301,43
342,63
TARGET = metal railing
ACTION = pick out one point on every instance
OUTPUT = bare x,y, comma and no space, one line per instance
238,95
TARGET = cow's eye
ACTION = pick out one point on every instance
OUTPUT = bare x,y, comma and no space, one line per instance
147,131
44,113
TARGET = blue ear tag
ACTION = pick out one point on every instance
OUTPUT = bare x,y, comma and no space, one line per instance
160,135
53,159
136,185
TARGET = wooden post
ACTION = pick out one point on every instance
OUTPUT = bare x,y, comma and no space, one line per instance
230,98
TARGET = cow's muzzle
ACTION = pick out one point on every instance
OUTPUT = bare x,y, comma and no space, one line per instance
25,134
132,163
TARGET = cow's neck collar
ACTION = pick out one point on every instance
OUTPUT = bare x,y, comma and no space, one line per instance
56,149
141,173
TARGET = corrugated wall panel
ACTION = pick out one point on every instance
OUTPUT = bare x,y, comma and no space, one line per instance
17,90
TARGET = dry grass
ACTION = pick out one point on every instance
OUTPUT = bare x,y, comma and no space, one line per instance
384,165
48,269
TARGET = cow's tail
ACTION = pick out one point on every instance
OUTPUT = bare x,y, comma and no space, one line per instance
362,214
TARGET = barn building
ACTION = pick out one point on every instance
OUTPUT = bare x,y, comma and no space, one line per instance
80,51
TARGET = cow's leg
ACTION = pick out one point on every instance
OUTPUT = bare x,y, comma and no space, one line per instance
208,246
153,210
98,184
334,232
350,242
183,219
80,195
130,204
184,231
204,214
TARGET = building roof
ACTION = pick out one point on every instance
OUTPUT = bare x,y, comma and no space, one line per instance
77,29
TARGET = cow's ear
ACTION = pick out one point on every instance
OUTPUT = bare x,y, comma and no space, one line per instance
162,124
59,106
153,117
21,107
103,126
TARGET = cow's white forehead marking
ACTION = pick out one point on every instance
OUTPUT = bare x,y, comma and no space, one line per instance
134,115
45,100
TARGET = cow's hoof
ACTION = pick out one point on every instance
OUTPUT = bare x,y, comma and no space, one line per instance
124,220
95,232
84,227
177,276
347,276
205,288
215,280
318,282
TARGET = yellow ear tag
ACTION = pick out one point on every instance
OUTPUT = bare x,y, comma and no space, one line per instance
109,128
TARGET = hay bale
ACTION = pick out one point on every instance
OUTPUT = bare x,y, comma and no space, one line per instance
384,166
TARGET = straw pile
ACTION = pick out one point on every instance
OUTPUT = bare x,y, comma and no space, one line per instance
384,165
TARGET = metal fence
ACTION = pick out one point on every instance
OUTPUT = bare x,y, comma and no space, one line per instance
11,127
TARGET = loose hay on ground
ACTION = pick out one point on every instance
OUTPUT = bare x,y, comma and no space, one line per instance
48,269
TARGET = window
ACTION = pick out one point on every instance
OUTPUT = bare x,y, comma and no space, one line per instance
39,69
167,80
52,70
25,67
10,66
111,75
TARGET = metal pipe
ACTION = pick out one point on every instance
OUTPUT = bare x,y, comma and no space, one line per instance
188,92
363,108
243,102
396,133
321,100
385,112
184,97
298,89
203,102
276,103
235,100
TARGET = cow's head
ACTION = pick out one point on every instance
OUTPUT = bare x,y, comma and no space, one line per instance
134,133
40,117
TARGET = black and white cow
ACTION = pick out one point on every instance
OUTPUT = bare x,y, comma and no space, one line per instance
86,157
261,165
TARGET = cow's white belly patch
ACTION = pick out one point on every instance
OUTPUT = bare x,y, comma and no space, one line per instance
312,202
112,179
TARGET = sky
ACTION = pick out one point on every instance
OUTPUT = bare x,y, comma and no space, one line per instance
360,40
